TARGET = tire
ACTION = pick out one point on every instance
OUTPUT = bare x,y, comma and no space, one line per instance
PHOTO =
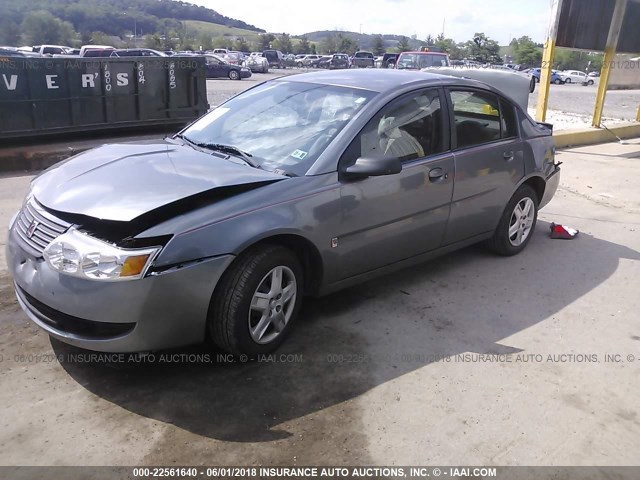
391,65
234,75
300,65
502,242
590,82
557,81
231,315
568,80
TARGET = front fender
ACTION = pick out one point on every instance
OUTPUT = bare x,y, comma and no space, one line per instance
308,207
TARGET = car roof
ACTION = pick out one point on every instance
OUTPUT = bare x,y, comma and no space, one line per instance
378,80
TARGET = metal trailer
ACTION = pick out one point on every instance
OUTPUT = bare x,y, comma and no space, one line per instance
44,96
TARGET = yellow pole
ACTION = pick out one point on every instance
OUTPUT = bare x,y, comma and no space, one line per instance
545,80
547,61
638,115
609,57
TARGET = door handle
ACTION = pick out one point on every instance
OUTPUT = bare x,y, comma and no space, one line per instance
508,155
436,174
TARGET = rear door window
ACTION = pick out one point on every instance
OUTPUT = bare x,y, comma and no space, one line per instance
476,116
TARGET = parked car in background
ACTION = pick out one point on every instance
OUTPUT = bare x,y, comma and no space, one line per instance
300,186
219,68
274,57
256,63
220,51
234,58
308,61
137,52
335,61
594,74
290,60
15,52
575,76
96,51
420,60
555,76
51,49
389,60
363,60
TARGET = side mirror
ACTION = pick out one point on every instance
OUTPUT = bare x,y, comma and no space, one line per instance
373,167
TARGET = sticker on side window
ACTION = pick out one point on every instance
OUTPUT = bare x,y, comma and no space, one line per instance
299,154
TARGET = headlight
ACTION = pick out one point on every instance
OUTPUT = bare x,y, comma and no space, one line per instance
80,255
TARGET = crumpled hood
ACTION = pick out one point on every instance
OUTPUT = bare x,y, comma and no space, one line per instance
121,182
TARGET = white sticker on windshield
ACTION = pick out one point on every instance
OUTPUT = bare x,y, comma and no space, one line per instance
299,154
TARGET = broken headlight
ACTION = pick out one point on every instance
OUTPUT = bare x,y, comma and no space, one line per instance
80,255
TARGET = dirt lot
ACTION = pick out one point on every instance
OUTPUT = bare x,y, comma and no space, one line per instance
394,371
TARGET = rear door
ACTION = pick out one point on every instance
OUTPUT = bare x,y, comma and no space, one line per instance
489,161
394,217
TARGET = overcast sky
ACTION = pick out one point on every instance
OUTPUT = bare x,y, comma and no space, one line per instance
499,19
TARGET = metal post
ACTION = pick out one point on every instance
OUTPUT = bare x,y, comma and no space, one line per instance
547,61
607,61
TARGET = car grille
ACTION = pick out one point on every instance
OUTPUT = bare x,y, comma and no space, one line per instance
36,228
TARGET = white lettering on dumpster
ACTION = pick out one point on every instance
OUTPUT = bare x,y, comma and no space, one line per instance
122,79
172,75
12,83
51,85
107,78
87,80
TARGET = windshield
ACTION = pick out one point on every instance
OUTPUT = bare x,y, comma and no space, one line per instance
421,60
282,125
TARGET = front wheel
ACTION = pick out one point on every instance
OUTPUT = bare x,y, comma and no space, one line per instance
517,223
256,301
557,81
234,75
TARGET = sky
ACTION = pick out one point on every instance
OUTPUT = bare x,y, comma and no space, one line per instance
498,19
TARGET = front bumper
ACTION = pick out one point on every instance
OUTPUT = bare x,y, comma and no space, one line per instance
159,311
245,73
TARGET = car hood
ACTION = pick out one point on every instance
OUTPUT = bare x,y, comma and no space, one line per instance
124,181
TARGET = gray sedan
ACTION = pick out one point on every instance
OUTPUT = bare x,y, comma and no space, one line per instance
299,186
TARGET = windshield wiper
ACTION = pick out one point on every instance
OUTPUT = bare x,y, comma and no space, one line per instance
246,156
230,149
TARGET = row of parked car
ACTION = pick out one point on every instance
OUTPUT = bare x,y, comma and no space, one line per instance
566,76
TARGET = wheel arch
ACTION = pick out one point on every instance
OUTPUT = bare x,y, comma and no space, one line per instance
536,182
303,248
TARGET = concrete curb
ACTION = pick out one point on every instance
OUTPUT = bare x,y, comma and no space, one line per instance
592,136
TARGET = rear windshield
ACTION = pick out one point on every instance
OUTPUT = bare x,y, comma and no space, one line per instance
421,60
364,55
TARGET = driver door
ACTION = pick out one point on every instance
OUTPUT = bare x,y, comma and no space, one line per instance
390,218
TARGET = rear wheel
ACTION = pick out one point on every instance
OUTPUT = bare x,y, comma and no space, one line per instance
234,75
517,223
568,80
256,301
590,82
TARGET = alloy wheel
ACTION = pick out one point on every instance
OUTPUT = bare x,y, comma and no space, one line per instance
272,304
521,221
